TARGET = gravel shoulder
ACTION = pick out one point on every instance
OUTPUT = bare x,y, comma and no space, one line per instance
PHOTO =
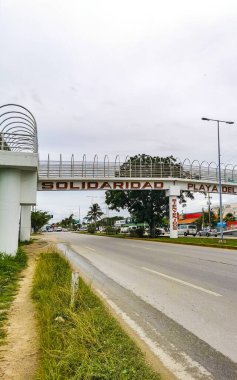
19,356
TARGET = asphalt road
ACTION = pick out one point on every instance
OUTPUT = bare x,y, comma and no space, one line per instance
181,300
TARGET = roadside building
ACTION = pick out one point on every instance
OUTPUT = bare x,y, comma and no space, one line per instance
189,218
230,208
232,225
119,223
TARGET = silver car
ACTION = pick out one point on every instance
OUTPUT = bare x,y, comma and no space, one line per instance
208,232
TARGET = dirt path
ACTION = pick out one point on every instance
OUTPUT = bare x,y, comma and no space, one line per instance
18,357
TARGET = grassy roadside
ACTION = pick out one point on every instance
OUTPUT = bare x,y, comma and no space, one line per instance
84,343
10,273
199,241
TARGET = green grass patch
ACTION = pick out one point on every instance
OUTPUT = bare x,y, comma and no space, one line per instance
26,242
84,343
10,272
199,241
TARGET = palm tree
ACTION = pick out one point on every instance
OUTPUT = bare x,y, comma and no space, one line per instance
94,213
68,222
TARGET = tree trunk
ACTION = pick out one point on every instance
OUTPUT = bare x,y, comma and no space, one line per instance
152,228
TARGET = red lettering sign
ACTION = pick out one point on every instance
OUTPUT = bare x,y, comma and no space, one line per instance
158,185
61,185
92,185
174,214
47,185
135,185
105,185
147,185
118,185
72,187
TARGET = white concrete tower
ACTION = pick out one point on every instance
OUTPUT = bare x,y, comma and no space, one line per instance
18,186
18,174
173,194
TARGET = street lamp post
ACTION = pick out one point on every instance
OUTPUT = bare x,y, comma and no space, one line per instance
209,208
219,168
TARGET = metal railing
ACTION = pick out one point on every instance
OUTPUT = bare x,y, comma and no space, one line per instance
130,168
18,129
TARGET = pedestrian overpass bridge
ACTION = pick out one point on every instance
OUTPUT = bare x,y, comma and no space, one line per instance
22,173
139,173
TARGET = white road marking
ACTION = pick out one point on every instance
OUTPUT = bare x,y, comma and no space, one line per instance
183,282
139,247
91,249
178,369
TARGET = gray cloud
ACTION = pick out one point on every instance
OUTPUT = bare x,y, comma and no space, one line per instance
123,77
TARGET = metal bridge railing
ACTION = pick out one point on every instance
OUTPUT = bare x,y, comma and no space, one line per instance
17,142
18,129
135,169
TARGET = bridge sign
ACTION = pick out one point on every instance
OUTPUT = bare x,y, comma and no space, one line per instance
22,174
131,184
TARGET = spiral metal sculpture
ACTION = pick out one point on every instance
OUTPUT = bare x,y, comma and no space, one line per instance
18,129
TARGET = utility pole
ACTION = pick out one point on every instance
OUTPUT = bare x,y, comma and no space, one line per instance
219,168
209,208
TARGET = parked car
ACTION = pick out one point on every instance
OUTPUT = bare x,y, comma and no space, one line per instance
187,229
208,232
159,231
59,229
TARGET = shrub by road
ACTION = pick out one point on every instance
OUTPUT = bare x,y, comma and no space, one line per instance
83,343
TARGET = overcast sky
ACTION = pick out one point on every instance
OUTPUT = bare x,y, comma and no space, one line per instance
122,77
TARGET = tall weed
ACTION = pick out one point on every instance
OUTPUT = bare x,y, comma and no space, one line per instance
83,343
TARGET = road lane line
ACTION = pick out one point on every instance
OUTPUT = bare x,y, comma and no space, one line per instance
91,249
139,247
180,370
183,282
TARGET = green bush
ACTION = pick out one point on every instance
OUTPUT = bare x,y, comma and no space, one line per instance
91,229
111,230
137,233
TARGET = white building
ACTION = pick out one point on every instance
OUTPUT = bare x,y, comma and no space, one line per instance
227,208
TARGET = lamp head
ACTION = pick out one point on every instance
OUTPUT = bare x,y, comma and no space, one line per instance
205,118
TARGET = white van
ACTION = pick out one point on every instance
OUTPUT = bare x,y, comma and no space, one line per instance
187,229
124,230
